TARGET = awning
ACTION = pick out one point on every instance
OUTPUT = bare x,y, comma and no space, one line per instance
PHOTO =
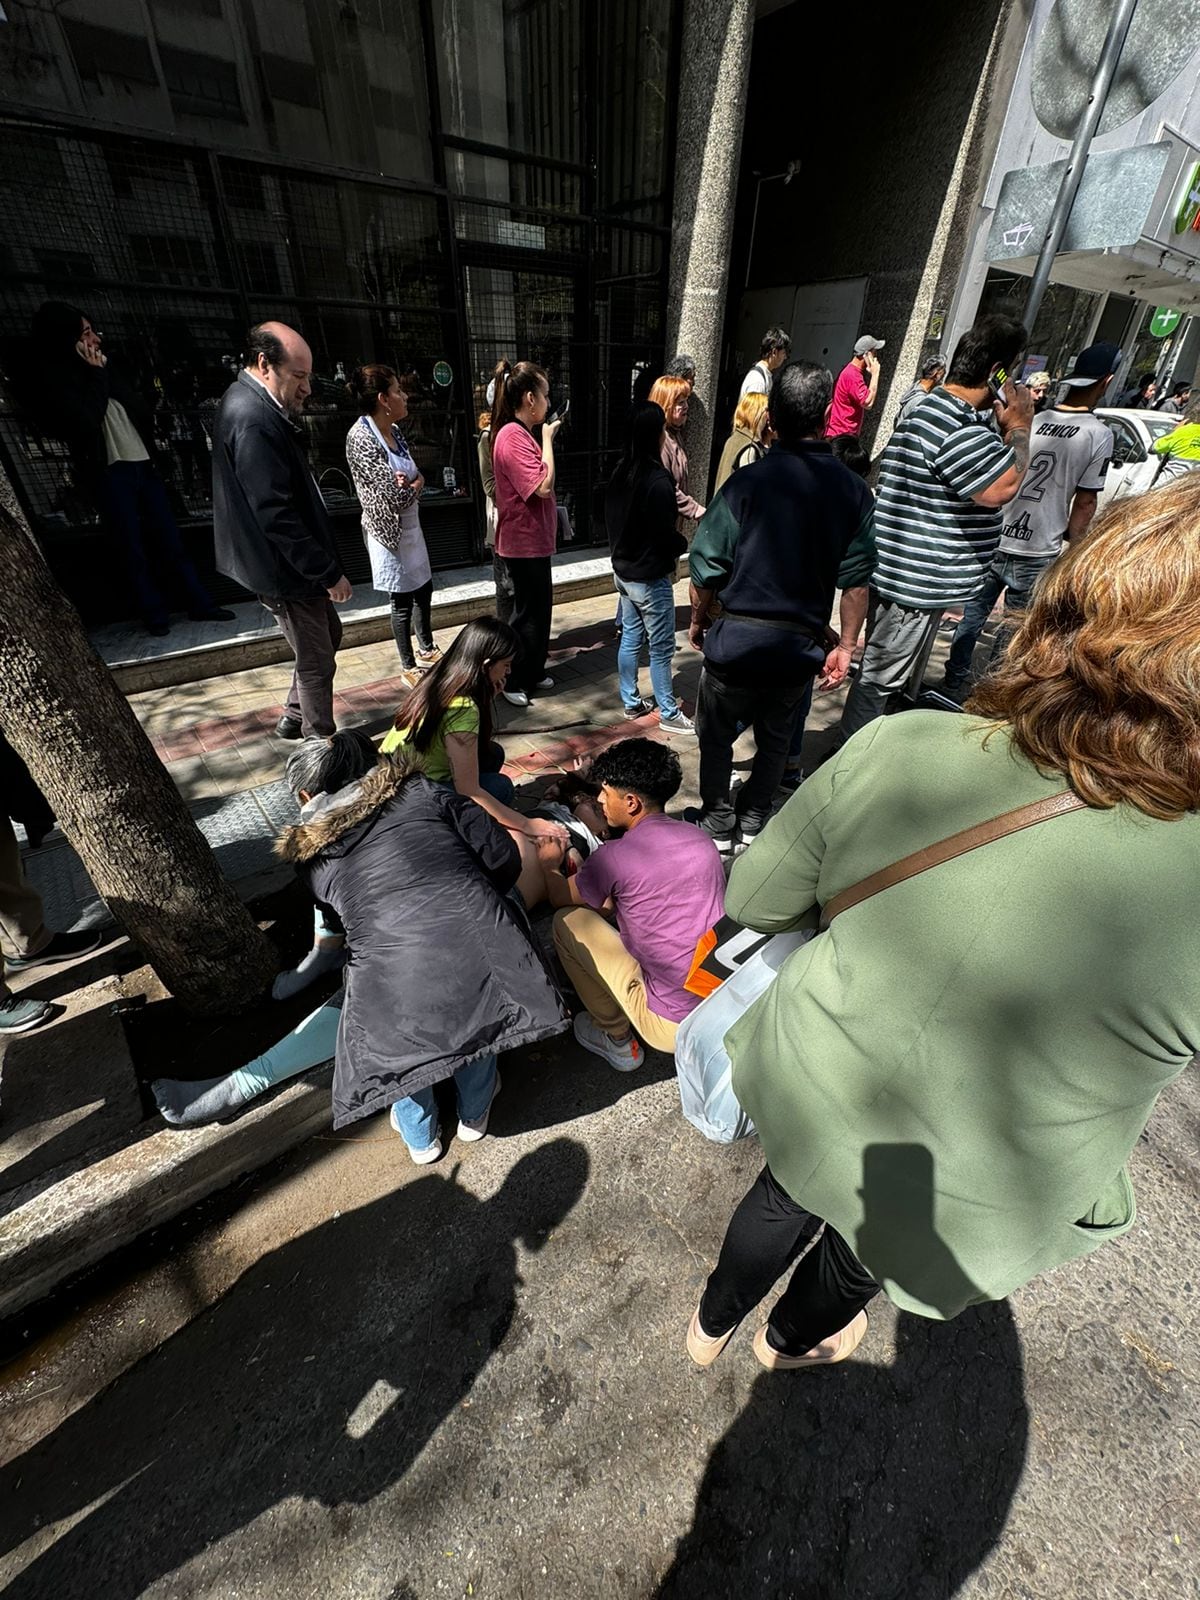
1131,231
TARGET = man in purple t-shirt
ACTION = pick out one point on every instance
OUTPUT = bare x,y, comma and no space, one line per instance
663,881
855,390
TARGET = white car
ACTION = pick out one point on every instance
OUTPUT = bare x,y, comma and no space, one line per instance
1134,464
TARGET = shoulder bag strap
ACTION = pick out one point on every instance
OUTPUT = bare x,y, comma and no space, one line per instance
1055,805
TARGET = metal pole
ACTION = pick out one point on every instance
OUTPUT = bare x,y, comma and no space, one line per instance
1106,69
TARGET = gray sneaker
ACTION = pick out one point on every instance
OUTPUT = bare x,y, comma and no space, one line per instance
18,1015
677,724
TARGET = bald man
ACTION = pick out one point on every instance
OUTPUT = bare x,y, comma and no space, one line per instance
270,527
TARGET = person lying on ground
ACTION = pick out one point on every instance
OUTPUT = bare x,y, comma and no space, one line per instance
443,975
582,796
663,881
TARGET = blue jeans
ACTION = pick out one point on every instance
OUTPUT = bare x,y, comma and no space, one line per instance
416,1114
135,508
647,613
1015,578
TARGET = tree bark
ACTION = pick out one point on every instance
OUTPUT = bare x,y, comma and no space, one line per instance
115,801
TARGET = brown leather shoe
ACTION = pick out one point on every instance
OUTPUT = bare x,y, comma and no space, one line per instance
826,1354
702,1348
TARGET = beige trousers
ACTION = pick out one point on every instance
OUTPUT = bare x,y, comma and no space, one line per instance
607,978
22,931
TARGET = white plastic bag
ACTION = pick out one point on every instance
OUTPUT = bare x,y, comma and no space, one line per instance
702,1063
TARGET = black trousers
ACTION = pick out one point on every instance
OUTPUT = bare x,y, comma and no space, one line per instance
723,708
504,588
406,608
829,1287
533,601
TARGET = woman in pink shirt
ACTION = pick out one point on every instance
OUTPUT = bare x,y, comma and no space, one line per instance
526,515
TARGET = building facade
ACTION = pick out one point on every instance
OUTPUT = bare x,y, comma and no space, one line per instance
434,184
1133,244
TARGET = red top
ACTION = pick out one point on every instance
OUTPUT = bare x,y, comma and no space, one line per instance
849,402
526,522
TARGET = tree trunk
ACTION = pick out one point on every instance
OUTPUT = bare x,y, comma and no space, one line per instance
115,802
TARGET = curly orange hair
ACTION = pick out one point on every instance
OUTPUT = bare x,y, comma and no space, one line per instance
1101,681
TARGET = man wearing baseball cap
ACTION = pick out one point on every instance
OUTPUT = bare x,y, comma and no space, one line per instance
1069,451
854,392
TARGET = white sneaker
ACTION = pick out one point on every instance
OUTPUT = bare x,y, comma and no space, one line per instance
427,1155
468,1132
544,683
626,1057
516,697
677,724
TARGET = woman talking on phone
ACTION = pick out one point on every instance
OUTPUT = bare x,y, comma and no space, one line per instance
526,515
388,485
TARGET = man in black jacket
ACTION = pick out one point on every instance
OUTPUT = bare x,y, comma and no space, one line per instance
270,527
774,544
75,395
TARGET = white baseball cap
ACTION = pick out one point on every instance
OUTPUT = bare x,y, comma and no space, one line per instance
866,344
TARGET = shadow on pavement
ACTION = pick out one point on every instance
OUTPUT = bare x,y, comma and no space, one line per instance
551,1083
321,1375
877,1483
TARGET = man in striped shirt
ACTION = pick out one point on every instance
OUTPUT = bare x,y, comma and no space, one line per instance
948,469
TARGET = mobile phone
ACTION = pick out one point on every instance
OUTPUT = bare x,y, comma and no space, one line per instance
996,384
561,414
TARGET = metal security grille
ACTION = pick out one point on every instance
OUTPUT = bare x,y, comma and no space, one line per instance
432,184
172,254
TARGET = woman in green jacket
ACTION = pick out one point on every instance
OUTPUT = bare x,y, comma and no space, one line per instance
953,1076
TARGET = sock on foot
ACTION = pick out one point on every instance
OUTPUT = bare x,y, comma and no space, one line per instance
191,1105
319,960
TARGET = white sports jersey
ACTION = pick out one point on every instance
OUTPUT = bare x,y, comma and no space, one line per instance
1068,450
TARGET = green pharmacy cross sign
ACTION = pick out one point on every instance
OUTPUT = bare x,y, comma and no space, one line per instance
1164,321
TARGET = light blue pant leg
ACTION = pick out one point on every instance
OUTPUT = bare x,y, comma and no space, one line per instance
310,1042
633,637
658,612
416,1114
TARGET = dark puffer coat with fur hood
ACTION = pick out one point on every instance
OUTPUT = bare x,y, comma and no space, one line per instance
441,968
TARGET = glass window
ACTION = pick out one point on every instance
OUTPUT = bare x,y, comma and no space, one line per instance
106,53
635,109
201,85
510,73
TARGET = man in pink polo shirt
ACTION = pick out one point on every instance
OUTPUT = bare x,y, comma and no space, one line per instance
854,392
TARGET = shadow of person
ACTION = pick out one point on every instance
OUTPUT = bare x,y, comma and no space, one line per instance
881,1482
321,1375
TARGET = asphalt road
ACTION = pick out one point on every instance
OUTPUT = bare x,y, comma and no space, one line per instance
470,1380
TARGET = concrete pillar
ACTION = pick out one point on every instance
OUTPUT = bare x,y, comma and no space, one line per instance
717,37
